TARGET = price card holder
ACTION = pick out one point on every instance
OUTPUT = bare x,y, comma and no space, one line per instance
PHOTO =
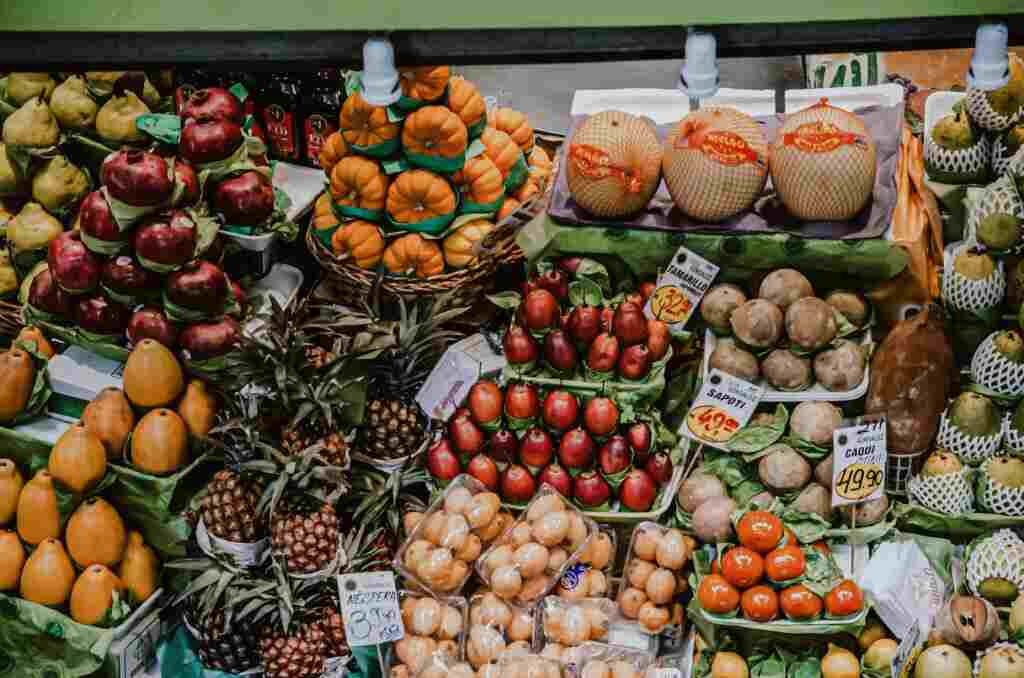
724,405
369,608
858,467
679,290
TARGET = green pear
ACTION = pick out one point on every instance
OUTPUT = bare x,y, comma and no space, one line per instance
32,125
23,86
59,184
941,462
72,105
973,265
974,414
1006,471
953,132
999,231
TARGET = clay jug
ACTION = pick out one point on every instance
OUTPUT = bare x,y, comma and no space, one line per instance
152,375
48,575
38,516
78,460
31,335
110,418
12,559
140,568
160,443
93,594
198,409
17,376
96,534
11,483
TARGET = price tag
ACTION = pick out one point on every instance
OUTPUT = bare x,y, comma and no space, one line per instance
723,406
369,608
858,466
680,288
459,368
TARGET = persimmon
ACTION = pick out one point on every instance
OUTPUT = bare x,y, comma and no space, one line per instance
716,595
760,604
845,599
799,603
785,563
742,567
760,531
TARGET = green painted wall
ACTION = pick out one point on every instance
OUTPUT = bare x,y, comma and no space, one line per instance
292,15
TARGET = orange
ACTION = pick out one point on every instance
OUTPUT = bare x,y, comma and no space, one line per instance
742,567
845,599
716,595
785,563
760,604
760,530
799,603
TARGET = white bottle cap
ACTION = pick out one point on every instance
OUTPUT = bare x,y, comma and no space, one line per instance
698,78
380,78
990,67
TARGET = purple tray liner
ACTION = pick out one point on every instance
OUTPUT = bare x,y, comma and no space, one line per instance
885,125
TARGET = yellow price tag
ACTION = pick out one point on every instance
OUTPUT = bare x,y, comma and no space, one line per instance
858,481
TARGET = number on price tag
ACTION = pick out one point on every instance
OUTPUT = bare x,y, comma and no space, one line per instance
858,466
723,406
370,609
678,291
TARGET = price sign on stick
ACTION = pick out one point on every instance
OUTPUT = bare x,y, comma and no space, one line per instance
858,464
679,290
723,406
369,608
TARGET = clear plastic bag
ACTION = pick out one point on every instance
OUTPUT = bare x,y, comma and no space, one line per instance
564,624
496,628
443,665
597,660
442,622
590,578
526,665
653,577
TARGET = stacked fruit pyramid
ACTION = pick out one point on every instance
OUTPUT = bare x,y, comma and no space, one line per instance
416,187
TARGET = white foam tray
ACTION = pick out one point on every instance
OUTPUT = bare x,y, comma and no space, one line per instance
815,392
282,283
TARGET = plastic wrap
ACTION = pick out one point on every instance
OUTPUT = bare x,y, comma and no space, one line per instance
591,576
565,624
441,622
653,576
597,660
495,628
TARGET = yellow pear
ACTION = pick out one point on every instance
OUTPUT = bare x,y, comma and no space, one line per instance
33,229
71,104
111,419
152,375
31,335
38,515
22,86
140,568
78,460
31,125
115,121
93,594
198,409
12,559
11,483
17,377
48,575
96,534
160,443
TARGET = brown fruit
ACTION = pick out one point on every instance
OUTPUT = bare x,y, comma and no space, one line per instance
17,377
12,560
160,443
48,575
93,595
38,516
11,483
140,568
78,459
110,418
96,534
152,375
31,335
198,409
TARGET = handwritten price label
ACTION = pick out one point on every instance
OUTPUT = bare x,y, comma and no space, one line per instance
858,469
723,406
680,288
370,609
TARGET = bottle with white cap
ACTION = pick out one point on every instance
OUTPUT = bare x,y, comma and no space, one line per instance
698,78
990,65
380,77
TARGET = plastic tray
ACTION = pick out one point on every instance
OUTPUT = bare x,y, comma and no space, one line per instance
815,392
282,283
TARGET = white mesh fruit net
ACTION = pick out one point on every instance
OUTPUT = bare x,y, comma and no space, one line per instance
981,655
1014,439
970,449
1000,160
972,295
950,493
965,162
990,369
999,197
995,497
986,117
998,556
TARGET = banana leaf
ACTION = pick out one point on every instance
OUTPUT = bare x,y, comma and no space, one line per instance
961,528
37,642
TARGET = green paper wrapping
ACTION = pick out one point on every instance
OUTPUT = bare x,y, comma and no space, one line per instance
326,235
406,105
382,150
436,163
490,208
519,173
347,212
221,168
38,642
433,226
161,126
964,527
477,128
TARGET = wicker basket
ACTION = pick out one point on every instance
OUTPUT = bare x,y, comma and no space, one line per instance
11,320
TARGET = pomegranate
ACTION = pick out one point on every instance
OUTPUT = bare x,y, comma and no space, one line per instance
519,347
100,231
204,140
442,462
150,323
576,449
73,266
198,286
569,264
659,467
634,298
165,242
557,477
241,298
137,178
635,362
658,339
521,401
98,315
485,403
125,280
560,410
640,438
186,176
536,449
584,325
466,437
591,490
213,103
517,485
559,352
529,285
504,446
629,323
601,416
604,353
607,315
614,456
647,289
638,491
44,294
244,199
540,310
210,340
485,470
556,282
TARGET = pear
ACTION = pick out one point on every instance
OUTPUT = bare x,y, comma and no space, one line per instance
1010,345
152,375
1005,661
1016,621
8,276
78,459
160,443
32,125
109,416
116,120
998,590
93,595
32,229
1007,471
198,409
953,132
96,534
974,266
1008,99
17,378
31,336
941,462
23,86
102,82
59,184
974,414
10,182
11,484
48,575
942,660
140,568
38,515
12,560
72,105
999,230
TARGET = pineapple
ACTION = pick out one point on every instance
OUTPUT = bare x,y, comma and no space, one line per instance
334,630
301,653
304,536
222,647
228,508
380,501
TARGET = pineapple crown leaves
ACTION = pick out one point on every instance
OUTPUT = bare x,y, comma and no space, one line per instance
209,587
304,475
382,496
359,549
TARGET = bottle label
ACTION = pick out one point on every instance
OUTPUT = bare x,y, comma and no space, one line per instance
281,132
821,137
317,128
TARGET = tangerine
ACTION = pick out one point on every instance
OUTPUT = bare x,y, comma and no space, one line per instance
845,599
760,530
799,603
760,603
785,563
742,567
716,595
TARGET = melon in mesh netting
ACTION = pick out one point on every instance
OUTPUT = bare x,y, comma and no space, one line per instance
995,497
994,372
980,656
999,197
970,449
965,294
981,112
997,556
957,165
1014,438
950,493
